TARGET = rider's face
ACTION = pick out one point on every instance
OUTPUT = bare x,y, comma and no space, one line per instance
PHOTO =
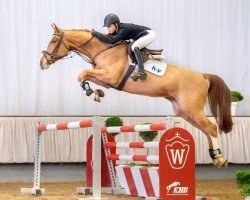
111,28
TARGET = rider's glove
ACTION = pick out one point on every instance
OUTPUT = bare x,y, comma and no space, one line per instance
94,33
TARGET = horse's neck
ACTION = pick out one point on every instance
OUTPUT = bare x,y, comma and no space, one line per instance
97,51
77,40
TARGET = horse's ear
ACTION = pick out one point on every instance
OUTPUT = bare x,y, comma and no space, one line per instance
55,27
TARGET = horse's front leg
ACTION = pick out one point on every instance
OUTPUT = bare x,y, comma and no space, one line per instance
96,94
83,76
102,75
98,82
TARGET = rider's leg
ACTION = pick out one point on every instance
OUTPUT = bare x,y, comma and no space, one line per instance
139,44
141,73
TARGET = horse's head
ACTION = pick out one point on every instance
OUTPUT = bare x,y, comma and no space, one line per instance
57,49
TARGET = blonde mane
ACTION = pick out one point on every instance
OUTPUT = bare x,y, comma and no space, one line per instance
84,30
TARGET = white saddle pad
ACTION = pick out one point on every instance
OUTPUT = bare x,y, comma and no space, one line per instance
156,67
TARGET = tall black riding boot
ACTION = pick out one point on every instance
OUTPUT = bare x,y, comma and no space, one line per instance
141,73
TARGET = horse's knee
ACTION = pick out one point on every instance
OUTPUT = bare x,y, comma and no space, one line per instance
82,76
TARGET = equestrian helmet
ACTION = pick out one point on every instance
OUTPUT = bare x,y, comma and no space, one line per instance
111,19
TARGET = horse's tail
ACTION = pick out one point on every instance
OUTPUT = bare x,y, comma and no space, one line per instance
219,98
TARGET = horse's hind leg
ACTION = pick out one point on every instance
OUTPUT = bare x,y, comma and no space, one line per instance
200,121
191,108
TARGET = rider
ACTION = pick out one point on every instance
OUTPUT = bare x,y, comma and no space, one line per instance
142,35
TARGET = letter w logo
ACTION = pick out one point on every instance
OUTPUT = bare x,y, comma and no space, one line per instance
177,154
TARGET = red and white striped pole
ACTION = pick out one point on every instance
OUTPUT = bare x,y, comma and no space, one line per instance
113,145
134,128
144,158
65,126
89,123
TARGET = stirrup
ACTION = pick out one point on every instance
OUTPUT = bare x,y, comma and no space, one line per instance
141,74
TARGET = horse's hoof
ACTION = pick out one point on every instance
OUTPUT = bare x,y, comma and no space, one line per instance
225,164
220,162
100,92
97,98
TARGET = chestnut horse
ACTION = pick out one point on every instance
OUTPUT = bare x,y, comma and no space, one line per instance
185,89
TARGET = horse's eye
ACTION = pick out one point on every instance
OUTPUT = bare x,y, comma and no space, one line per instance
53,41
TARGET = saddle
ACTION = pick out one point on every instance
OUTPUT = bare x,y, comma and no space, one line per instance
147,54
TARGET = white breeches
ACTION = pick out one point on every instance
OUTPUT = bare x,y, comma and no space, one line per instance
144,41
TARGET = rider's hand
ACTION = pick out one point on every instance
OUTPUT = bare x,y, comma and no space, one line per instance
94,33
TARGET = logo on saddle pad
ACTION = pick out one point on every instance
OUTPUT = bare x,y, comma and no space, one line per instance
177,151
155,67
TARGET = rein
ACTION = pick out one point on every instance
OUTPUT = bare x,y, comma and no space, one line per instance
110,47
85,58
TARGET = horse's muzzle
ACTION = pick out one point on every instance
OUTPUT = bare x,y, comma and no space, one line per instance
44,64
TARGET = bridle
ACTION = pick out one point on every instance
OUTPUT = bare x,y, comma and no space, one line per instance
52,55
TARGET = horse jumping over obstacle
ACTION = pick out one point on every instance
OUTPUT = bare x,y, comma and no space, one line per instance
185,89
